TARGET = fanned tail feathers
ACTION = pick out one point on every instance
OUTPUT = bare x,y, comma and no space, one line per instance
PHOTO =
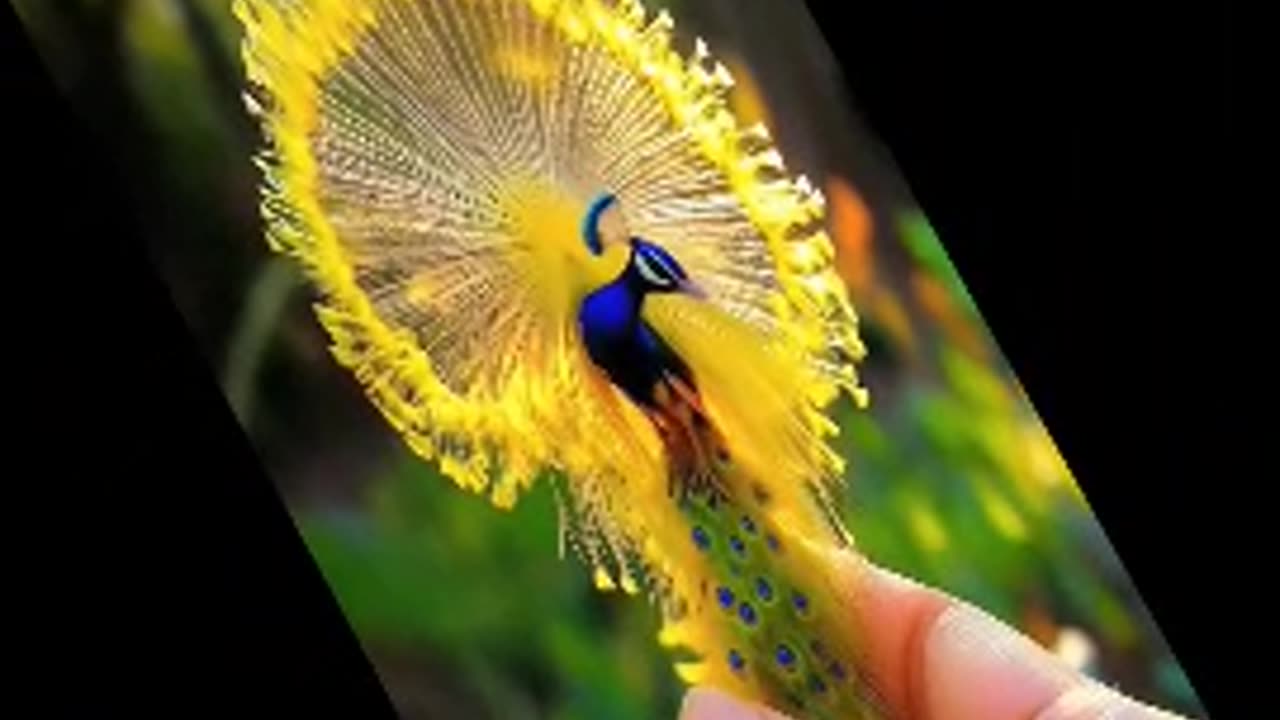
428,164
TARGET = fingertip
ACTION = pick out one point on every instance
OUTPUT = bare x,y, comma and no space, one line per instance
1091,699
929,653
932,656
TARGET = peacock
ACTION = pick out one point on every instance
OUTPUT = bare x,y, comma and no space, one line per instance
546,249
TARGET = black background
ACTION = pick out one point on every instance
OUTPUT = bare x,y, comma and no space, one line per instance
1071,157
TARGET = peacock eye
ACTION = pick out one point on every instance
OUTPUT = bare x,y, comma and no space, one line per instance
651,270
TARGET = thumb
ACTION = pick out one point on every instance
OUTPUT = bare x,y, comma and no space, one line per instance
704,703
939,657
977,667
935,657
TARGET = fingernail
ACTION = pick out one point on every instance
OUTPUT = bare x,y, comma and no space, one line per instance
1093,700
708,704
982,668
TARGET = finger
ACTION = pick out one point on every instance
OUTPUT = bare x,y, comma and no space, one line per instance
711,704
895,616
933,657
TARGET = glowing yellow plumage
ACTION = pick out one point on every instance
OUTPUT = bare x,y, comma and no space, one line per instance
430,162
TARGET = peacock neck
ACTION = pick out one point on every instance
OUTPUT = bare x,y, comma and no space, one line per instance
630,282
618,341
624,297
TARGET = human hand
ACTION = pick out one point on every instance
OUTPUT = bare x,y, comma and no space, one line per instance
933,657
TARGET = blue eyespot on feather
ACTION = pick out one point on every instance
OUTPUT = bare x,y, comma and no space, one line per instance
591,222
735,660
785,657
700,538
764,590
800,602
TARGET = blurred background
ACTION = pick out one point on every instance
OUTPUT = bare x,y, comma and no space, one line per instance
468,612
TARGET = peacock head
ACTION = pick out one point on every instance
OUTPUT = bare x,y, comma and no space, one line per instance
650,267
657,271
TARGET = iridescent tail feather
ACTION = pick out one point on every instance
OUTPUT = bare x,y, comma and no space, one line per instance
765,620
430,162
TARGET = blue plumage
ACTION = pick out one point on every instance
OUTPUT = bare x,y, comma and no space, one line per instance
617,339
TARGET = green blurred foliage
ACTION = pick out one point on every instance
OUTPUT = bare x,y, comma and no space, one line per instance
922,243
469,611
957,483
425,568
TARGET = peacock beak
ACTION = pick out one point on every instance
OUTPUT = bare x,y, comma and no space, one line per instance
693,289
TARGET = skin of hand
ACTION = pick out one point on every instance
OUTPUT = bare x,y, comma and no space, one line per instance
933,657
